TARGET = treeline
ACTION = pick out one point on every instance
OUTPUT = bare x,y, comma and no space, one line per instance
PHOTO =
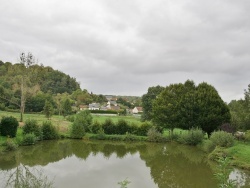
26,86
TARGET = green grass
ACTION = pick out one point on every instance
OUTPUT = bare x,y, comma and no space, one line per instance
240,153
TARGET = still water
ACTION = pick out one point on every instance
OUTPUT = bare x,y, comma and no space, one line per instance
101,164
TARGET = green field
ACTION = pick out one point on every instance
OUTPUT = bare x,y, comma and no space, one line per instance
62,123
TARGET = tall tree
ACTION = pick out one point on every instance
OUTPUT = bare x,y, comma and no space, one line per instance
212,110
147,101
186,106
48,109
166,107
27,61
66,108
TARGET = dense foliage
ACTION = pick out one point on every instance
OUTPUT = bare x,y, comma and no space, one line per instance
8,126
147,101
49,131
240,112
186,106
31,127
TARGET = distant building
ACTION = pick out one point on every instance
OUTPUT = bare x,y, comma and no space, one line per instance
94,106
137,110
83,107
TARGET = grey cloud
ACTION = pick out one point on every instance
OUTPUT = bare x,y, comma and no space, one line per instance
124,47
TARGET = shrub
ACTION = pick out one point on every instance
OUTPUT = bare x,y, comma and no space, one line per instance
77,131
227,127
101,134
29,139
130,137
109,127
95,127
222,139
8,126
122,127
10,145
133,128
49,131
208,146
31,126
71,118
154,135
192,137
84,118
143,129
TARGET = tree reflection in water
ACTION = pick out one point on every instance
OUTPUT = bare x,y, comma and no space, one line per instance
23,177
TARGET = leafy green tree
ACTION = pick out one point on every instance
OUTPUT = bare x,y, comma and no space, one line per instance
147,101
48,109
66,108
81,124
240,111
85,119
166,107
186,106
212,110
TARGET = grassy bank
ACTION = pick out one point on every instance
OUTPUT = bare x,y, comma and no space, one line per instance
240,155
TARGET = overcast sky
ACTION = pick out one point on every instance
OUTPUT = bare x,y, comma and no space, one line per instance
122,47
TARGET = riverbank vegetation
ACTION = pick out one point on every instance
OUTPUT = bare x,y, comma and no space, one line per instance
219,144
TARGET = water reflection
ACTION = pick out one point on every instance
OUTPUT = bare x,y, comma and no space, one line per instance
24,177
75,163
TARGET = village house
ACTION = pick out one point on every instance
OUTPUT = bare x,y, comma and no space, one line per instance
137,110
94,106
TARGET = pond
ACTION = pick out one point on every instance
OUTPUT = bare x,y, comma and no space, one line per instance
79,163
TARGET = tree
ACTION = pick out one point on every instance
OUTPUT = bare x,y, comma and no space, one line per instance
81,124
48,109
240,111
8,126
66,108
27,61
166,111
212,110
186,106
147,101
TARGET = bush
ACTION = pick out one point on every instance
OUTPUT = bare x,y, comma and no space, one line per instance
154,135
10,145
143,129
71,118
29,139
31,126
222,139
8,126
95,127
208,146
49,131
133,128
192,137
109,127
122,127
130,137
84,118
77,131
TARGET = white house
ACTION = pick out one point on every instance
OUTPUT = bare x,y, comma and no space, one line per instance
137,110
94,106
